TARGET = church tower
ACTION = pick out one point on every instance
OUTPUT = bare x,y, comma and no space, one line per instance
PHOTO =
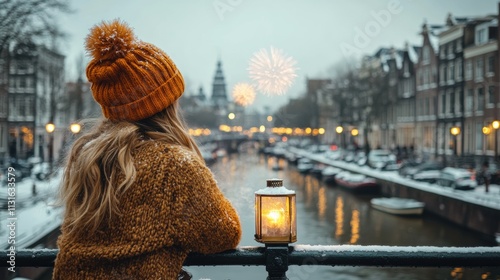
219,95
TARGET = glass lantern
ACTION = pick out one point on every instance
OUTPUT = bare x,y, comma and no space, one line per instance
275,214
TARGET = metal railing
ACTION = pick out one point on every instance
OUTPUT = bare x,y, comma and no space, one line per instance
277,258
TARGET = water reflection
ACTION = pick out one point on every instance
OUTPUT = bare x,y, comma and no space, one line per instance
354,227
322,202
329,215
339,217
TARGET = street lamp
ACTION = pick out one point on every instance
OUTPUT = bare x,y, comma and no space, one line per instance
50,128
496,124
75,128
455,131
486,130
339,129
354,132
275,225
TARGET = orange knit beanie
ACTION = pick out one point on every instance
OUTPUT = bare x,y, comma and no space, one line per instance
131,79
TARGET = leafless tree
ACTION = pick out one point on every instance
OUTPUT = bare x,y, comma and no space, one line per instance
22,20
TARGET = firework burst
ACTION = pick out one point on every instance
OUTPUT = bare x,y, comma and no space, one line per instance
243,94
273,72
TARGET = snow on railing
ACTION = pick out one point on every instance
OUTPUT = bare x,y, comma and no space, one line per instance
281,256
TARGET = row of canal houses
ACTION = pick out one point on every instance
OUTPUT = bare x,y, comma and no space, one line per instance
33,93
450,80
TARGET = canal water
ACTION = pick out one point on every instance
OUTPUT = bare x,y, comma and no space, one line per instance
329,215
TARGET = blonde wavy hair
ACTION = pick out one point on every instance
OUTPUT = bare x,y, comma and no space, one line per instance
100,166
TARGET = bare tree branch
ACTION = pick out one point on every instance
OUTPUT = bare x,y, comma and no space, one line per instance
30,20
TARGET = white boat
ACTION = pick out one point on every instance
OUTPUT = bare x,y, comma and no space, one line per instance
304,165
398,206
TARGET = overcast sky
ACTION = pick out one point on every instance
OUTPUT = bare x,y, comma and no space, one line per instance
316,33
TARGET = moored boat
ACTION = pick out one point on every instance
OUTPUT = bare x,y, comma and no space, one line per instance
358,183
304,165
398,206
328,174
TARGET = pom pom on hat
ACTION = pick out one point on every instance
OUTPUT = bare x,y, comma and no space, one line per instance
131,80
110,40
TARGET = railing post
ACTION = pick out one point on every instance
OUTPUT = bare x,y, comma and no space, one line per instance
276,261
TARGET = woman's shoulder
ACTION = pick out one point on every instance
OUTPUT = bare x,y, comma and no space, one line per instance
159,150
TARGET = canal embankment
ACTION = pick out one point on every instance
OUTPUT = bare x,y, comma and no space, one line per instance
474,210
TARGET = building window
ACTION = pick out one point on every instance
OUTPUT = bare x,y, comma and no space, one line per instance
442,73
451,71
434,75
459,45
3,106
458,70
21,107
491,96
30,107
481,36
426,55
443,103
479,68
406,88
491,65
22,67
12,68
451,102
22,83
406,69
468,70
469,100
427,76
29,83
423,108
480,99
12,83
457,101
479,136
430,110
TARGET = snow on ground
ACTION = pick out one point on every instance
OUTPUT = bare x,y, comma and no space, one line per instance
477,196
34,216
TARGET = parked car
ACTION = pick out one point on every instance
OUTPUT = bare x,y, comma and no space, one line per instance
360,158
334,154
457,178
410,170
428,176
378,159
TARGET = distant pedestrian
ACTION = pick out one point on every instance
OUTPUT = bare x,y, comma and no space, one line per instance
485,173
138,196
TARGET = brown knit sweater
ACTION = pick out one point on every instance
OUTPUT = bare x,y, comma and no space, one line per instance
173,208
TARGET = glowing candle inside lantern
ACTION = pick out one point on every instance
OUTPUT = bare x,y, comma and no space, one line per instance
275,216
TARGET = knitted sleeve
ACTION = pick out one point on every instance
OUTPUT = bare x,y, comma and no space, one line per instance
205,221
